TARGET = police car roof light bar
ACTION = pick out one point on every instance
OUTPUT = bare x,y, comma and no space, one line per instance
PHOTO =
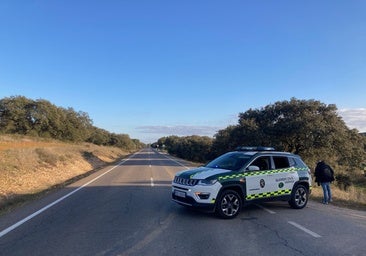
255,149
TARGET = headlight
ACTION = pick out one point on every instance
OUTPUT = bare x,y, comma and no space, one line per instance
207,182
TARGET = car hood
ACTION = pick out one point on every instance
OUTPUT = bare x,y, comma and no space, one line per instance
201,173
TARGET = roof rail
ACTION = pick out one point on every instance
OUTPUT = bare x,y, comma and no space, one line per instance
260,148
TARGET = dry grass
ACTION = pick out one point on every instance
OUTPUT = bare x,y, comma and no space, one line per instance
29,166
354,197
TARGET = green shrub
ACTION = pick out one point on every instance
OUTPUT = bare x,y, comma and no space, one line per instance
343,181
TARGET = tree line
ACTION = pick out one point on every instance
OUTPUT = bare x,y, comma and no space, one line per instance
20,115
308,128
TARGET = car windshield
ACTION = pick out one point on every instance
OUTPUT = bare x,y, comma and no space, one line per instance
233,161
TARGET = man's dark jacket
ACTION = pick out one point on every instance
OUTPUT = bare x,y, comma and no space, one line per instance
323,173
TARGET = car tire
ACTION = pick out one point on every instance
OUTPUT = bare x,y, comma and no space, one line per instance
229,204
299,197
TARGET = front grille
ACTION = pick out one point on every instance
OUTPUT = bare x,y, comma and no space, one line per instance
186,182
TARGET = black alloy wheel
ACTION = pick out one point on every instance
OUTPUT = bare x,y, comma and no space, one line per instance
229,204
299,197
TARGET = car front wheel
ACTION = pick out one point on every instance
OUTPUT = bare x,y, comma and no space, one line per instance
229,204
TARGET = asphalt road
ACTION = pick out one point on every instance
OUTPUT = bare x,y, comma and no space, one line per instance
126,210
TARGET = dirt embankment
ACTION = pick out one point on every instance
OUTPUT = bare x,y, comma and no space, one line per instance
29,166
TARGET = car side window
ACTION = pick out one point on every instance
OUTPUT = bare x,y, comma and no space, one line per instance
292,162
262,162
281,162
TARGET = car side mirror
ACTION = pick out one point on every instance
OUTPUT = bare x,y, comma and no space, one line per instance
253,168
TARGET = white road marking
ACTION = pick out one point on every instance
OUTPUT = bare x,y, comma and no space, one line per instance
147,184
305,229
175,161
21,222
265,209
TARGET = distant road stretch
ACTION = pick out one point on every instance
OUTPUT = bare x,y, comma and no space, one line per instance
127,210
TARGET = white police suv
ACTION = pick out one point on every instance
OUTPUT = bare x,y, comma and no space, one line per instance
250,174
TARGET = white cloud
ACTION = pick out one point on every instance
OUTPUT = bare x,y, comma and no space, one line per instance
152,133
354,118
180,130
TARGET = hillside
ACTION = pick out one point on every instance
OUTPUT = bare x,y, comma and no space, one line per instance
30,165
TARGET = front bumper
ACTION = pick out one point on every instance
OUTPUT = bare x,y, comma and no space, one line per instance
200,197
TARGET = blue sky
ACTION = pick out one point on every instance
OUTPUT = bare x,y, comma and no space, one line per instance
157,68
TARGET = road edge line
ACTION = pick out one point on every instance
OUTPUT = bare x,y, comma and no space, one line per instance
29,217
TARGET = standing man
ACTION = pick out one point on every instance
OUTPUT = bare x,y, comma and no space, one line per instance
324,175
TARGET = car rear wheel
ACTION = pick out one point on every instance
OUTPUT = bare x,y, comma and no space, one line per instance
299,197
229,204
